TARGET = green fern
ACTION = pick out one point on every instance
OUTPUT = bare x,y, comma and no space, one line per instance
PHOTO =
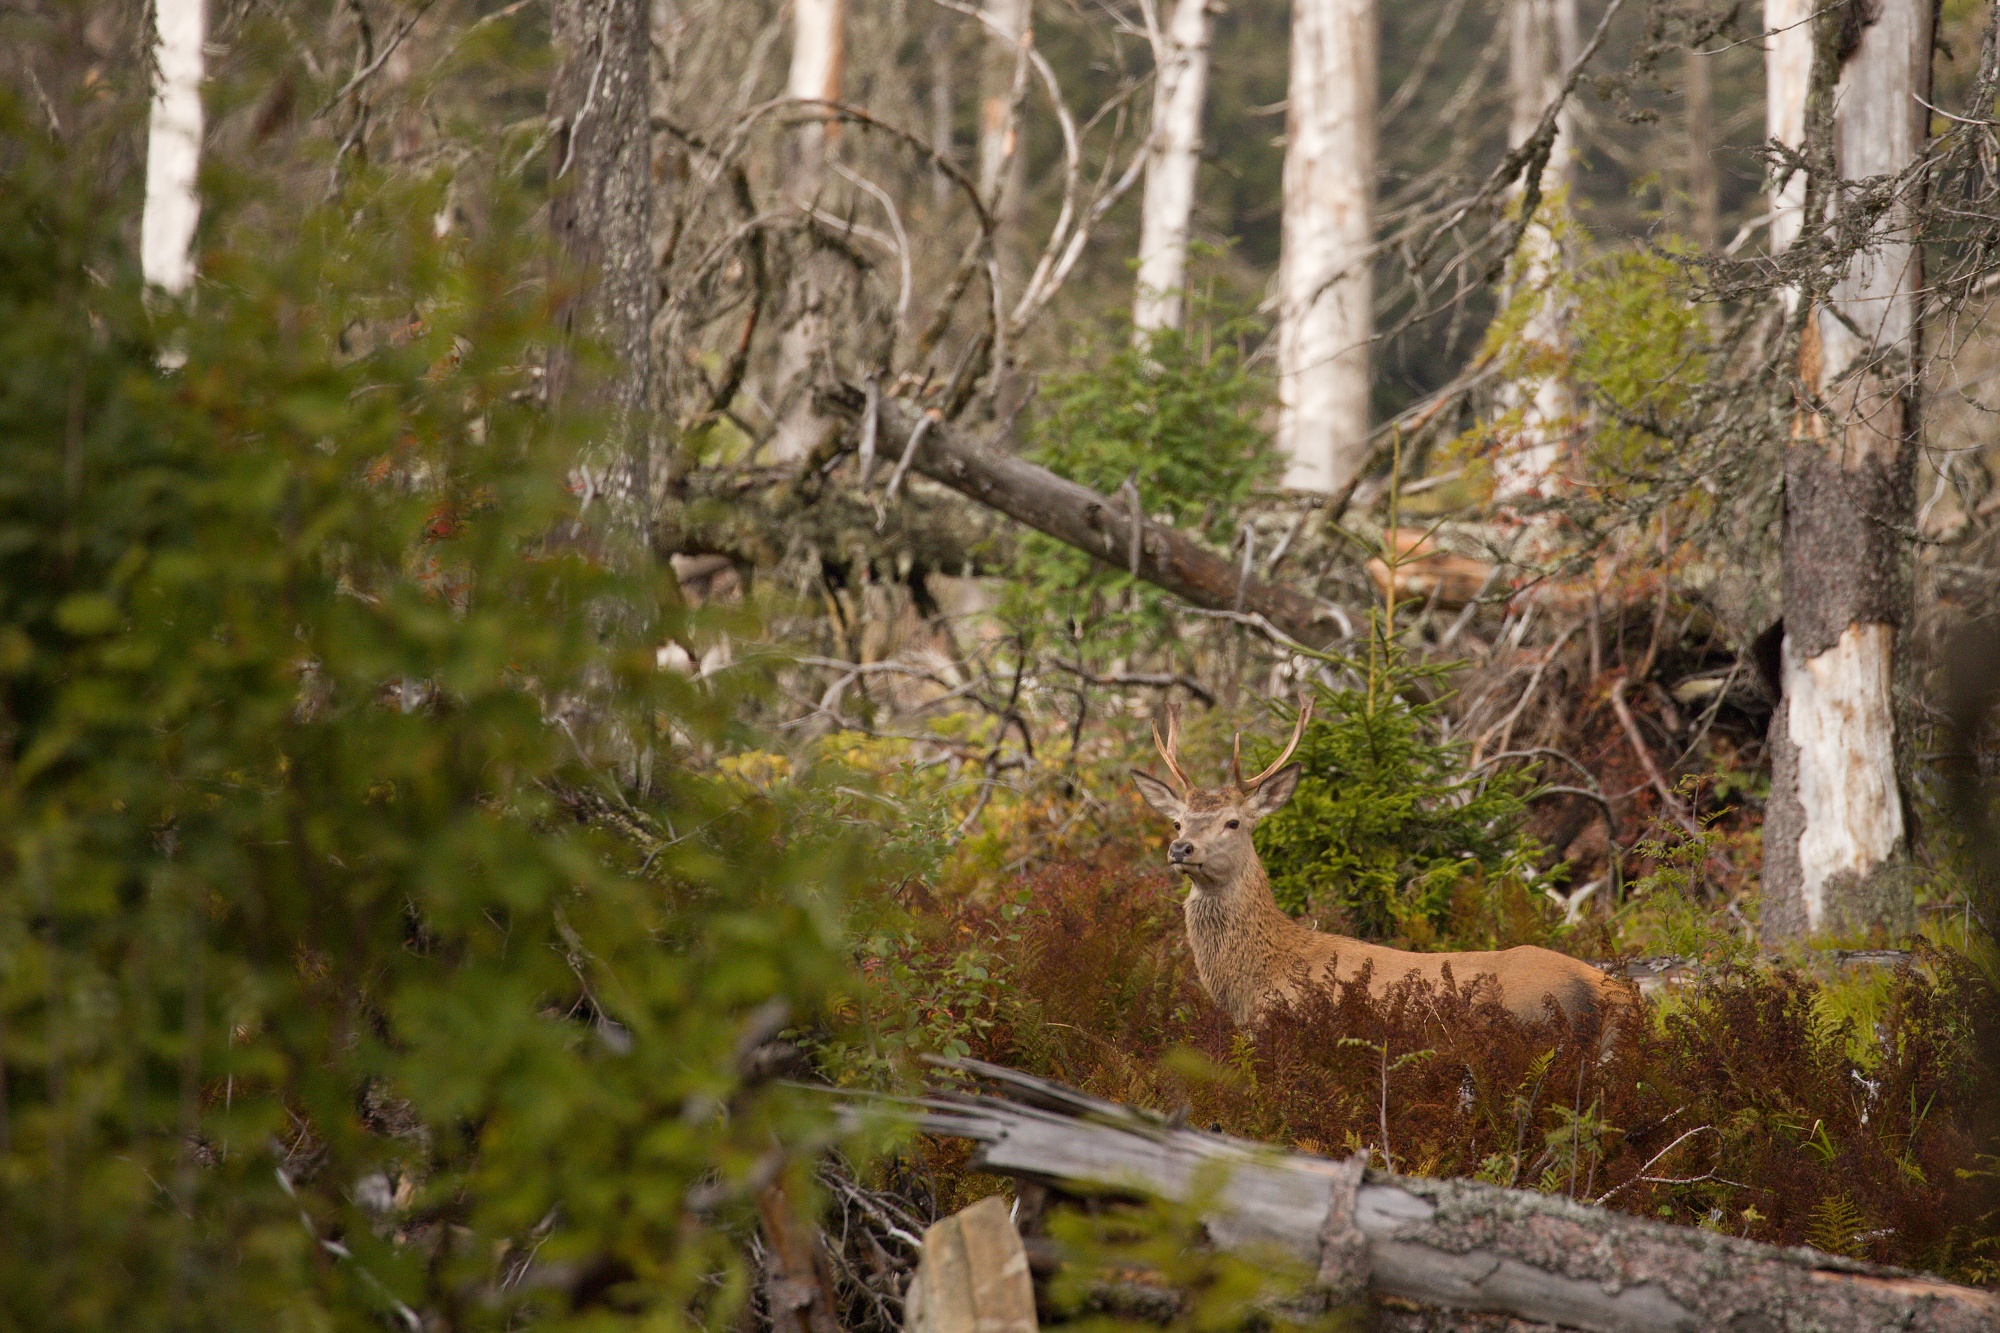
1836,1226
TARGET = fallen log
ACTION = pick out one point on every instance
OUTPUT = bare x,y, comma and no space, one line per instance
1112,530
1454,1245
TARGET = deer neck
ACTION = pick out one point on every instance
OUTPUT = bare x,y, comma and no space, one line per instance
1243,943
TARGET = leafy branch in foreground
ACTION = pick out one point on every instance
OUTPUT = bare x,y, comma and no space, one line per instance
316,1006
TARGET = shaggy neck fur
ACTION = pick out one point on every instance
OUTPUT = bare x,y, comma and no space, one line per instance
1241,941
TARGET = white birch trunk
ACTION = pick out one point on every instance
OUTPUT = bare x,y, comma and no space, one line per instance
1007,30
819,42
819,55
1788,56
1326,290
173,147
1839,817
1006,27
1172,164
939,42
1542,44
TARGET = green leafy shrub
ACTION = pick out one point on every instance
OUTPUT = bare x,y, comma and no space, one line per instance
319,1004
1389,834
1178,418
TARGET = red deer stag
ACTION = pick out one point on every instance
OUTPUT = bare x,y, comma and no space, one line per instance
1251,956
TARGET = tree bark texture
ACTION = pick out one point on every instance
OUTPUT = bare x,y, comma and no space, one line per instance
1326,288
1703,188
938,43
819,54
1788,59
1103,527
796,1291
1848,501
1173,162
1444,1245
1007,30
602,217
173,146
1542,44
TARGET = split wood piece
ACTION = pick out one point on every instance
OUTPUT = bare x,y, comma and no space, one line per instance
973,1277
1101,527
1451,1244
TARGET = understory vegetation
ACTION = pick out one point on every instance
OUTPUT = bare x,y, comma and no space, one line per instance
1748,1104
460,844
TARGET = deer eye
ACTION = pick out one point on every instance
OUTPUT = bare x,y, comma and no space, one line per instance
1177,826
1231,824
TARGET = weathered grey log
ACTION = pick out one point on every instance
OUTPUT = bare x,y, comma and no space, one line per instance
1451,1244
1100,526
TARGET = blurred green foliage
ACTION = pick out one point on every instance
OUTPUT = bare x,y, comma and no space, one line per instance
318,1000
1151,1265
1636,352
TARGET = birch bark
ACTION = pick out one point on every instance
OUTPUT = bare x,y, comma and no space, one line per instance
819,57
1008,29
1326,289
939,45
1788,58
1835,826
1173,162
173,146
1542,44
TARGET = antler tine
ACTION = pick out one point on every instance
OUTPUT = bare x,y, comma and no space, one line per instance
1298,730
1236,760
1169,747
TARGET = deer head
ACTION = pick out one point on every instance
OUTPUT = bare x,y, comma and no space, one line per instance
1212,826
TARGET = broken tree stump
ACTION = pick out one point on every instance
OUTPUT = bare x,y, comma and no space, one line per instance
973,1277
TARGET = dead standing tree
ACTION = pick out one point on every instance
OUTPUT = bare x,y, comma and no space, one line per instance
1166,214
1836,821
601,213
1326,285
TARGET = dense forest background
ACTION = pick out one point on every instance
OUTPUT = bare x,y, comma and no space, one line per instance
606,594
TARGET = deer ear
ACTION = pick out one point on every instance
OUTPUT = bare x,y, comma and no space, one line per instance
1159,795
1277,789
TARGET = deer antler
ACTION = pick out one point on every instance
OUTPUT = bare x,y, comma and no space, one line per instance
1170,747
1236,757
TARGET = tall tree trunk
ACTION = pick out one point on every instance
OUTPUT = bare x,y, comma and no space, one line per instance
1542,44
1008,31
1326,289
1703,189
1788,61
1835,828
938,41
819,57
1173,160
173,147
602,216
